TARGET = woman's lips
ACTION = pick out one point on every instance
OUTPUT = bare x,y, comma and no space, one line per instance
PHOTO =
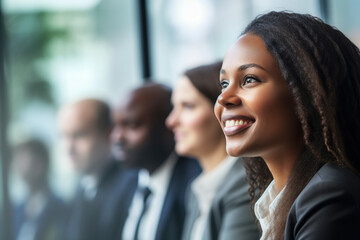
236,126
178,136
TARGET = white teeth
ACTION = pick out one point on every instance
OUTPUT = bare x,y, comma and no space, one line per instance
231,123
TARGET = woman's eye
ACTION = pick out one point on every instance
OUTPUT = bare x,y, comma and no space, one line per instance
250,80
224,84
188,105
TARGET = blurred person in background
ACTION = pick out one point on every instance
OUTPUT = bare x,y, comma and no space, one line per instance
218,203
105,188
142,141
41,216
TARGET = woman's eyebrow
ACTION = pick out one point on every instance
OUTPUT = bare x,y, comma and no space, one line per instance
250,65
245,66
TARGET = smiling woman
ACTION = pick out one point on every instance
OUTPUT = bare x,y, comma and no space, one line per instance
287,87
267,114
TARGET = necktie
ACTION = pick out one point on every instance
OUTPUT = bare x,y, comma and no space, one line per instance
145,192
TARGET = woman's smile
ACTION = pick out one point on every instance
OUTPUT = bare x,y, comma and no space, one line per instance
233,125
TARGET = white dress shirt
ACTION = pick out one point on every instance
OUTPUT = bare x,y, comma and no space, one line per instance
89,184
33,208
205,187
265,207
158,184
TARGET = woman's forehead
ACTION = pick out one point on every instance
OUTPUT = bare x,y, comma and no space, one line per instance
248,49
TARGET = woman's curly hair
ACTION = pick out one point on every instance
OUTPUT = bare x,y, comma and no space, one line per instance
322,68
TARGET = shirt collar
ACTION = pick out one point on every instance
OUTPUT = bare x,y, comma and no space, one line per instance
268,201
158,180
36,203
89,182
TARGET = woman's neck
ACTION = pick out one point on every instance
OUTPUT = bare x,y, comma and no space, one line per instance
281,164
280,170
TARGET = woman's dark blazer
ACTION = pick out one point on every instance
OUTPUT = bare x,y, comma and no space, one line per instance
328,207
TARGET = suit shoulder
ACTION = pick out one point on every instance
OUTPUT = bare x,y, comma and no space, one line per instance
117,172
236,180
330,179
234,188
328,206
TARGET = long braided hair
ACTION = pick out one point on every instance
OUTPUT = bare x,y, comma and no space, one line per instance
322,68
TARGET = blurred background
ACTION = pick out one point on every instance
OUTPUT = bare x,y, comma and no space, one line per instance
61,51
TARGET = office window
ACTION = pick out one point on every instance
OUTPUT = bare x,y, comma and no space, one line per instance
186,33
62,51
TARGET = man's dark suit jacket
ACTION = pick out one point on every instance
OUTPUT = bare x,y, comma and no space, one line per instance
172,216
103,217
328,207
50,224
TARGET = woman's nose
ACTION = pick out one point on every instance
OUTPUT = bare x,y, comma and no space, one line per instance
229,98
171,119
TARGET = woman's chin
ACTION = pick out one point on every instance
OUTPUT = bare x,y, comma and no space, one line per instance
181,150
234,151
